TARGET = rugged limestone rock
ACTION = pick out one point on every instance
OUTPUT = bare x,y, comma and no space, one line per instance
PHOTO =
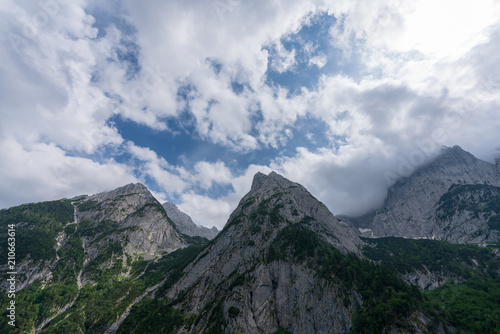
131,216
186,225
240,281
425,280
412,206
103,230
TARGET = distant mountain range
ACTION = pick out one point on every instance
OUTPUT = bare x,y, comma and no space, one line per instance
120,262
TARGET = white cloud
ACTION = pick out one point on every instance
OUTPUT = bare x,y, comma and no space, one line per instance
208,173
206,211
47,60
234,41
158,168
284,60
318,60
425,71
44,172
215,212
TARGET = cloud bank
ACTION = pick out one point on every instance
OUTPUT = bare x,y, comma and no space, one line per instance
192,98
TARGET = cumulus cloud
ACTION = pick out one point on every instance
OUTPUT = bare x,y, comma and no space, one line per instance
48,58
44,172
215,212
157,168
394,82
319,60
283,60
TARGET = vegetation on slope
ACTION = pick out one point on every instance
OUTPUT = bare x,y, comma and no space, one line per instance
407,255
478,199
39,224
470,303
471,300
116,279
98,305
387,300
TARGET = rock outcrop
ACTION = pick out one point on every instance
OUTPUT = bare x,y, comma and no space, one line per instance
239,278
186,225
131,216
412,208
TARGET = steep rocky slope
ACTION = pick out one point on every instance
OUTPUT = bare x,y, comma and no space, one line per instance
282,264
186,225
282,261
71,254
414,205
131,216
274,289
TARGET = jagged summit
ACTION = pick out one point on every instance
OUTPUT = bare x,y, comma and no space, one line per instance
131,188
456,156
266,185
251,276
186,225
139,222
273,204
272,179
412,203
293,204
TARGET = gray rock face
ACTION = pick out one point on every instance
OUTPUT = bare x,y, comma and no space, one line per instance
411,206
186,225
126,222
234,276
425,279
129,215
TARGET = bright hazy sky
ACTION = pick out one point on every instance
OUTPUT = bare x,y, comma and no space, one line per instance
192,98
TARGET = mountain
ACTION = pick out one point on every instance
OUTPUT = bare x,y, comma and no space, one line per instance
186,225
131,216
454,198
282,261
115,262
67,250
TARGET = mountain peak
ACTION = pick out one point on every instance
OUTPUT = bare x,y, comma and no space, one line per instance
186,225
131,188
138,220
455,155
137,190
411,204
274,202
271,181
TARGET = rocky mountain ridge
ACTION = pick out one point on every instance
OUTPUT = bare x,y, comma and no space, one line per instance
414,205
116,262
186,225
246,281
66,246
132,216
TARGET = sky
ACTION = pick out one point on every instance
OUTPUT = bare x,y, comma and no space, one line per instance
192,98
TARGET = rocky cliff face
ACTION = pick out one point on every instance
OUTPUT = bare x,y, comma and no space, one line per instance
253,277
131,216
186,225
412,208
283,263
102,231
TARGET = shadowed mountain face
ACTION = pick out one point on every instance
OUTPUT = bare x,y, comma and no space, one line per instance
116,262
281,253
430,203
71,254
122,223
186,225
